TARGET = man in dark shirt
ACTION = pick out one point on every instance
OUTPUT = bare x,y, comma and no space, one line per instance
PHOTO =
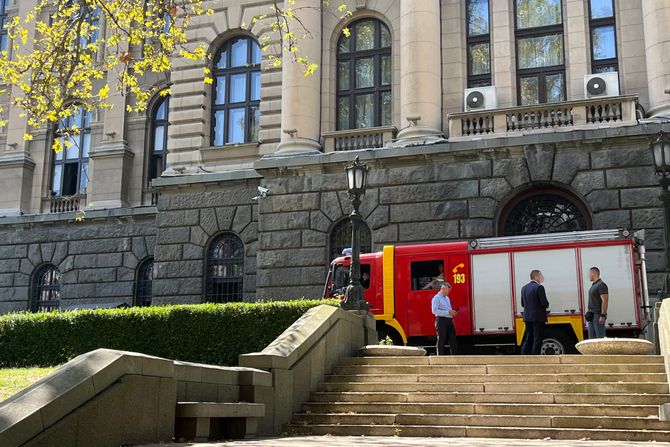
598,304
535,304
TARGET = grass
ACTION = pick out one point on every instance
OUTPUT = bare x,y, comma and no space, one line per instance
13,380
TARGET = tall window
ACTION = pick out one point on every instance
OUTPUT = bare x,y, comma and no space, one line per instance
45,295
479,43
70,168
603,36
364,76
544,211
340,238
144,283
3,21
224,277
539,49
158,138
236,92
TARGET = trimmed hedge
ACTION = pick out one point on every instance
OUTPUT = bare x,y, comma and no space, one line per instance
204,333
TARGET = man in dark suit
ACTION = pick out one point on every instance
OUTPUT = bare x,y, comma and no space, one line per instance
535,304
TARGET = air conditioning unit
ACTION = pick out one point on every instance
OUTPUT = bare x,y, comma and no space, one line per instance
601,85
480,98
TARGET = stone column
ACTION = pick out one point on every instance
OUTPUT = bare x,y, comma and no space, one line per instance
301,95
111,160
577,52
16,164
656,17
420,72
503,58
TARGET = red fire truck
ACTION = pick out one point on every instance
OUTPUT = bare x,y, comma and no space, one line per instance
487,276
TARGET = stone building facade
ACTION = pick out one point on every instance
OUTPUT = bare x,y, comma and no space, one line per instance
170,209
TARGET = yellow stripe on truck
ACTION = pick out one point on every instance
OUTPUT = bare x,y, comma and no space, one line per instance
388,260
388,289
575,321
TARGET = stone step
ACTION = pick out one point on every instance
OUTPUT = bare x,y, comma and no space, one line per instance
503,359
480,432
618,423
569,368
501,387
481,397
482,408
510,378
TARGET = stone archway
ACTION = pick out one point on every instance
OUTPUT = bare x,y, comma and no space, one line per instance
543,210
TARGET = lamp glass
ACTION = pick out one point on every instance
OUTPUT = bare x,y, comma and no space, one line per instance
658,154
666,155
351,184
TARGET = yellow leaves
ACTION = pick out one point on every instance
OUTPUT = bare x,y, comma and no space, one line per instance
104,92
342,8
208,80
346,32
27,137
57,146
311,69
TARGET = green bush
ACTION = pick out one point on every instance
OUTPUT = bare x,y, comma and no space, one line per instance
204,333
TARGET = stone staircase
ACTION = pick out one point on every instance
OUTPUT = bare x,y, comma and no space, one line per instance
530,397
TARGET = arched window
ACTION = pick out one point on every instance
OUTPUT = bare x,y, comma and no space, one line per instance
340,238
70,168
236,92
144,282
45,295
158,138
544,211
364,76
224,278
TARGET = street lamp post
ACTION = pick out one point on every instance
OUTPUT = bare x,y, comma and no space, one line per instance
660,149
357,177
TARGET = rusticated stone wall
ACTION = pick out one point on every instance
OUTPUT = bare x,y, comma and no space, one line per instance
441,192
97,257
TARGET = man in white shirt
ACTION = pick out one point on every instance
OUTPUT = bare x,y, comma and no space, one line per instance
444,315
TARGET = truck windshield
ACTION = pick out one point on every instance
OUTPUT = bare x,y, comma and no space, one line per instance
340,279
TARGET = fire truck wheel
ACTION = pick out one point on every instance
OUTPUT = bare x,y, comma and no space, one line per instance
555,342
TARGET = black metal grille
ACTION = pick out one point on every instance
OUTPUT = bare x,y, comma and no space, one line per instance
46,289
144,283
225,270
340,238
545,213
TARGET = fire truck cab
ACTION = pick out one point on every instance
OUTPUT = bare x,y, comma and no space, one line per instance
487,276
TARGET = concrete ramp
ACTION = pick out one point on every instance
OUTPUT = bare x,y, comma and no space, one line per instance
111,398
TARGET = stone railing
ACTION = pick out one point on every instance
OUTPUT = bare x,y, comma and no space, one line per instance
125,398
150,197
304,353
353,139
63,204
583,114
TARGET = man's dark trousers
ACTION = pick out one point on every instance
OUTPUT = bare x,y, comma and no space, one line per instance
446,331
532,341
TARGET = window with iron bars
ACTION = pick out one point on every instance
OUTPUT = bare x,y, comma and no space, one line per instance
224,277
46,289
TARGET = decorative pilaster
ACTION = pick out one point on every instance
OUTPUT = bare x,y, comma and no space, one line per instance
656,16
111,160
16,164
301,111
420,71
